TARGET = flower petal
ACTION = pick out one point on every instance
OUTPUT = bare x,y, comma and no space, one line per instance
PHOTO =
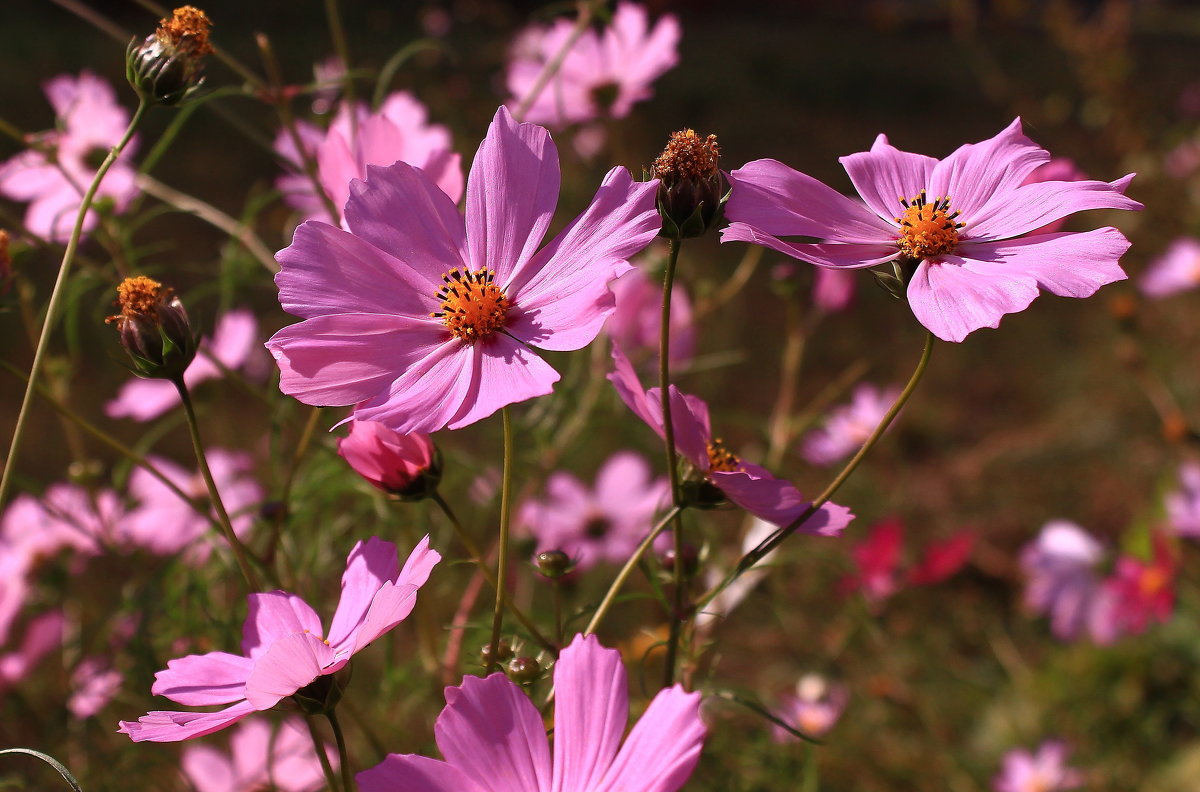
663,748
505,372
1033,206
956,296
590,711
414,773
981,175
369,565
428,394
393,602
834,254
885,175
289,664
201,680
275,615
165,726
1066,264
777,501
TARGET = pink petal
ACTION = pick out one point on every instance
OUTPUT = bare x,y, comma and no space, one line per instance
1033,206
885,175
208,770
629,388
419,564
663,748
369,566
289,664
250,747
979,176
275,615
778,502
427,394
492,732
511,194
390,606
505,372
590,711
848,255
143,399
234,338
165,726
689,419
1066,264
200,680
414,773
956,296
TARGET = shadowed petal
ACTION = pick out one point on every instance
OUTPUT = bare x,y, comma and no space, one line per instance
369,566
777,501
843,255
289,664
505,372
164,726
663,748
274,615
200,680
590,711
414,773
885,174
426,396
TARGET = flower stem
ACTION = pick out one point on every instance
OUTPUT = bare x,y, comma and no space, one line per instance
554,64
56,297
235,544
627,570
343,754
664,383
502,552
319,747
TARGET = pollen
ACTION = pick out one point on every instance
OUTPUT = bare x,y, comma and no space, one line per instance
188,26
721,459
927,229
687,156
473,307
137,297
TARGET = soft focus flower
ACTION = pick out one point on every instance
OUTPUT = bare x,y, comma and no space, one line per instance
744,483
1183,505
877,560
849,426
404,465
1140,592
956,224
603,75
635,324
833,290
54,173
43,634
1057,169
601,524
424,319
258,760
494,740
285,647
813,709
942,559
1063,580
1176,270
1043,771
399,131
93,684
232,343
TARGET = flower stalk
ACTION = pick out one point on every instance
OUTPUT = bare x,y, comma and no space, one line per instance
502,552
627,570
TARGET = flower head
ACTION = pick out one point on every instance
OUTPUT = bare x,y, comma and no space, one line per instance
1142,592
258,759
1063,581
959,229
1043,771
1176,270
425,319
813,709
849,426
94,683
493,739
154,329
168,66
284,646
408,466
692,188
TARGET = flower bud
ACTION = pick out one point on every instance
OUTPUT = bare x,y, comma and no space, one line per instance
154,329
553,563
489,658
691,559
524,670
167,67
407,466
692,191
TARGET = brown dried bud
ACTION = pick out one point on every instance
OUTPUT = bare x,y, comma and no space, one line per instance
167,67
692,190
154,329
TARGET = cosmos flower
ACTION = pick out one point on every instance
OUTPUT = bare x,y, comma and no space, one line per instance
398,131
425,319
634,325
55,172
43,634
604,73
813,709
494,740
1141,592
285,648
601,524
1063,579
847,427
1183,505
956,226
879,562
743,483
1176,270
232,343
404,465
94,683
833,290
257,760
1043,771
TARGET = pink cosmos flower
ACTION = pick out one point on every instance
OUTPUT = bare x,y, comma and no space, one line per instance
1063,581
43,634
284,646
232,344
163,524
391,462
833,290
1141,593
634,325
258,760
813,709
961,222
1183,505
849,426
1176,270
494,740
399,131
878,561
424,319
1043,771
604,524
54,174
94,683
744,483
603,75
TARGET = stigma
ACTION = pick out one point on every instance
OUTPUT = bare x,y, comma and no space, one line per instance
721,459
473,307
927,229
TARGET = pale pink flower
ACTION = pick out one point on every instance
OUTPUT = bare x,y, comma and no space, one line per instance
43,634
233,341
601,524
1063,580
285,647
93,684
743,483
1043,771
425,319
813,709
1183,505
1183,160
1176,270
603,75
833,290
634,325
258,759
494,740
395,463
398,132
54,174
847,427
961,226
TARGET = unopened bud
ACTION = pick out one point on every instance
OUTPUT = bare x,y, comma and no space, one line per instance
524,670
154,329
489,658
691,559
692,191
167,67
406,466
553,563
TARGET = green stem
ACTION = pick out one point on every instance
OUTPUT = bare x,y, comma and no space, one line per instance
627,570
235,544
337,33
554,64
319,747
343,754
502,553
56,297
664,382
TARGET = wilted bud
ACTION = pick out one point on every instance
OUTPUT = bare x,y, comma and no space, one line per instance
168,66
692,190
407,466
524,670
154,329
553,563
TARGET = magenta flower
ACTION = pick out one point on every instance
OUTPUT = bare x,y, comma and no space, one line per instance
257,760
1183,505
494,741
233,342
634,325
744,483
398,132
43,634
285,647
601,524
1044,771
960,222
94,683
1141,593
849,426
53,175
833,290
424,319
813,709
877,560
395,463
1176,270
604,74
1063,581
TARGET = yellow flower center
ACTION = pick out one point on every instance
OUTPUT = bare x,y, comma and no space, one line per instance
473,307
1152,581
927,229
721,459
